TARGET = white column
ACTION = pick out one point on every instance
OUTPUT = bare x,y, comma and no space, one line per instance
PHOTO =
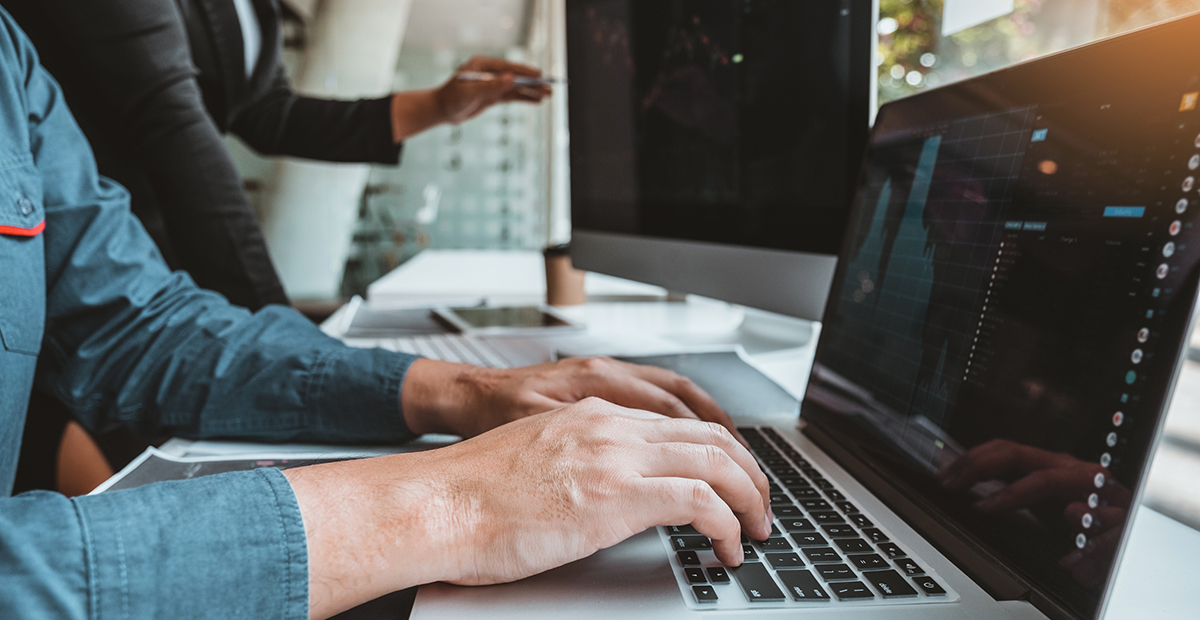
311,209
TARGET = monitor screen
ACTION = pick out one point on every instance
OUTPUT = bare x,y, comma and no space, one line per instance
737,123
1014,290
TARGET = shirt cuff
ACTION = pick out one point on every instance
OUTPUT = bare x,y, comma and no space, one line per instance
225,546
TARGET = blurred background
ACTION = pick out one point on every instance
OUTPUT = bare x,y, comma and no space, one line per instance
501,181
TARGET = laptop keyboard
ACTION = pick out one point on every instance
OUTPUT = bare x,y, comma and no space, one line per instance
448,348
822,549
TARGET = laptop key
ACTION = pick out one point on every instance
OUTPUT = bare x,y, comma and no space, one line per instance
867,561
929,586
718,574
780,498
756,583
891,550
794,481
802,586
748,553
889,583
840,531
826,518
846,507
850,591
909,567
835,572
806,493
784,560
695,575
704,594
809,539
821,555
821,483
853,545
690,542
688,558
775,544
815,504
876,535
682,530
860,520
797,525
774,489
787,512
835,495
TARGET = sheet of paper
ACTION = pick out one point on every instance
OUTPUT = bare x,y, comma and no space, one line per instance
958,15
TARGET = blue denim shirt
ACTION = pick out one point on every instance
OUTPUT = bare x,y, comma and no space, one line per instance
89,311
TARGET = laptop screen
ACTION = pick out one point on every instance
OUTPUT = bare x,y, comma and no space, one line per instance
1012,295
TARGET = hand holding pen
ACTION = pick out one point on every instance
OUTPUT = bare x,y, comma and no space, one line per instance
483,82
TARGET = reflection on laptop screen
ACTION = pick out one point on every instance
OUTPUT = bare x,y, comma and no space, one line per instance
1012,296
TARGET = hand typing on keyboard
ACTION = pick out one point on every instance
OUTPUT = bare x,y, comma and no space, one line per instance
522,499
458,399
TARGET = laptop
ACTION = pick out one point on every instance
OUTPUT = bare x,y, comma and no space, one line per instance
1003,335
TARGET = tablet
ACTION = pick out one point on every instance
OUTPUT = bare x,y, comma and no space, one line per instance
505,320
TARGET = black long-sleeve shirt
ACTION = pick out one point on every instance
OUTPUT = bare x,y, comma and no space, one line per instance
155,83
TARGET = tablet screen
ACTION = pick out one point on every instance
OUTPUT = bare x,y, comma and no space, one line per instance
512,317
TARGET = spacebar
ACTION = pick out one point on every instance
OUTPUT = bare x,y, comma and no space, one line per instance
756,583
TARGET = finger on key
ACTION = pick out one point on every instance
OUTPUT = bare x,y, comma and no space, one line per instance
670,501
716,467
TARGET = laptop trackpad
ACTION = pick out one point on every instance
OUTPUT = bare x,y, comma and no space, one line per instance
738,387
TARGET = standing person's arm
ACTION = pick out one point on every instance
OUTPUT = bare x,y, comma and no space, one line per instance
136,54
282,122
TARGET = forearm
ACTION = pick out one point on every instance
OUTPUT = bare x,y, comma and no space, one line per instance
368,535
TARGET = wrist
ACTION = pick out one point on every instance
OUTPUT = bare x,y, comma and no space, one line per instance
414,112
440,397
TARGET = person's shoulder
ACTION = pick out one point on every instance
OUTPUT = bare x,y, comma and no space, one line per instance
15,48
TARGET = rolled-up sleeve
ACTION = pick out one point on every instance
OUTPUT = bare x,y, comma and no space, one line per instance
221,547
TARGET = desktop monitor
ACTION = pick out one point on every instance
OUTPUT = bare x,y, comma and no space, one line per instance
715,144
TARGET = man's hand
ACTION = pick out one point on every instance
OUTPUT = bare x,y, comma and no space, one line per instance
525,498
463,100
440,397
458,100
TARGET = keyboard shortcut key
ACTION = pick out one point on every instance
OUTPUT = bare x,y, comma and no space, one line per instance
756,583
688,558
802,586
889,583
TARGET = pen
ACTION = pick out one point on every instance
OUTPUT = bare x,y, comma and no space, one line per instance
520,80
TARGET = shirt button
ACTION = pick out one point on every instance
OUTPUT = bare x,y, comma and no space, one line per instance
25,205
